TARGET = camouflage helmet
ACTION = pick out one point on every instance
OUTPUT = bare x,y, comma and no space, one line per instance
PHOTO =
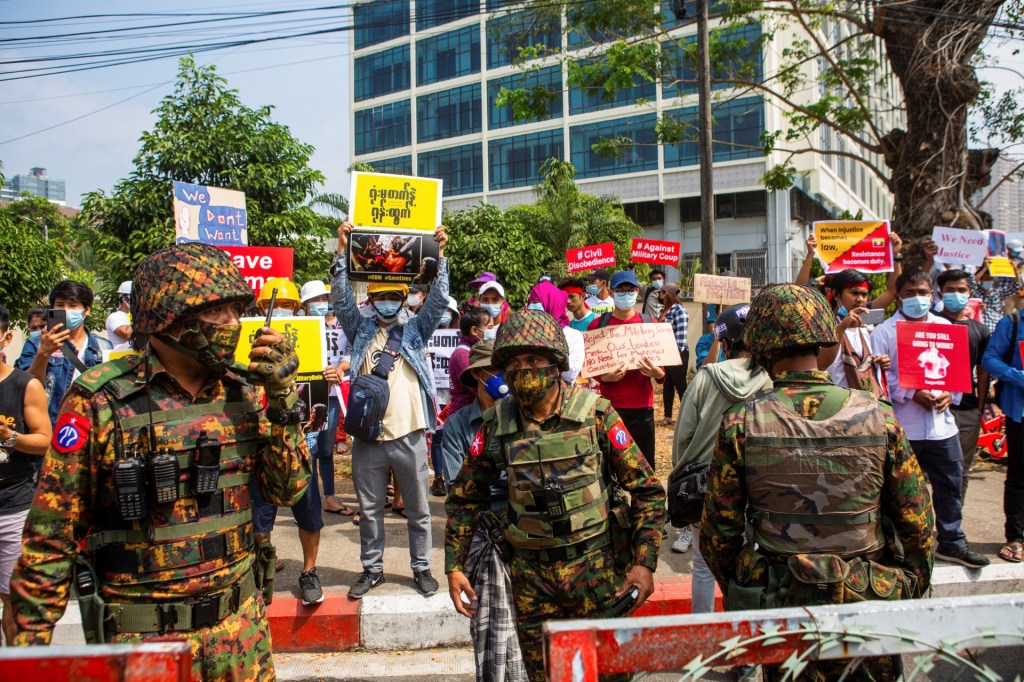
787,316
528,331
180,281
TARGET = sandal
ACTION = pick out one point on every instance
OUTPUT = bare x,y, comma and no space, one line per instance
1012,552
343,510
400,511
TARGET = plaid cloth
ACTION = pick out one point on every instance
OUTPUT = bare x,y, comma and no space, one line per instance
493,628
1002,288
679,319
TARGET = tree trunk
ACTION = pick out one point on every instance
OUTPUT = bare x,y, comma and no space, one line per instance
930,45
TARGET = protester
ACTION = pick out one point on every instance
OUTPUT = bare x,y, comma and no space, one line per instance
119,326
410,412
580,313
599,295
706,340
851,363
475,286
673,312
60,354
822,480
287,303
629,390
715,388
449,320
413,302
929,423
992,292
35,322
474,325
956,290
884,299
547,297
24,438
491,298
652,300
186,304
565,563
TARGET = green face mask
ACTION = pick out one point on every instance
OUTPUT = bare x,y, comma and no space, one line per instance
530,385
212,345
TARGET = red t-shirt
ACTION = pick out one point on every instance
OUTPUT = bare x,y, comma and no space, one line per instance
634,389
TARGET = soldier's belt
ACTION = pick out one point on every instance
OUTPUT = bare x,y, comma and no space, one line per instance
567,552
182,531
181,616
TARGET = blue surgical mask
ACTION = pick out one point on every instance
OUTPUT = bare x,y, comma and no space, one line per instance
283,312
387,310
493,309
496,386
318,309
490,333
986,285
535,306
954,302
330,308
842,312
1015,254
75,318
657,283
446,319
624,301
593,289
916,307
35,336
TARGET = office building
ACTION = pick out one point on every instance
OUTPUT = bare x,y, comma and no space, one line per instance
36,183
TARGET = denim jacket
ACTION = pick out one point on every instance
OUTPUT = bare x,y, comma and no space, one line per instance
1011,397
59,370
360,330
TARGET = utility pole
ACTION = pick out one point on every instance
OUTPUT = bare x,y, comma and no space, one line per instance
708,255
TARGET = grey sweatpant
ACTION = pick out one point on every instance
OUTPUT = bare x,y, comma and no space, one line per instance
371,464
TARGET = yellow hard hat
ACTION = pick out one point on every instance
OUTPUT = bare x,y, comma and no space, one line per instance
286,291
381,287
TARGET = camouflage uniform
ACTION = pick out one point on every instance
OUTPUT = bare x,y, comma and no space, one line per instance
557,581
194,548
897,565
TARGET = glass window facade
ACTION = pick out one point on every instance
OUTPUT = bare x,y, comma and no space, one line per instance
398,165
516,161
642,155
430,13
737,132
461,168
744,60
379,21
507,33
583,100
688,10
385,127
449,55
382,73
549,77
448,113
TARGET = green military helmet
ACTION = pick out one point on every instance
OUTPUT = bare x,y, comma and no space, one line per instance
787,316
180,281
530,331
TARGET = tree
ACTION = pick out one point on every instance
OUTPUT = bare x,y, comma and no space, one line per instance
205,135
33,264
832,76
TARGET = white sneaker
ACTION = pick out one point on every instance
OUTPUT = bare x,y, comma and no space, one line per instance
682,543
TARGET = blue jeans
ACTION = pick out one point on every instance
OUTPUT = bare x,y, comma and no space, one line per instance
325,447
435,453
943,462
702,581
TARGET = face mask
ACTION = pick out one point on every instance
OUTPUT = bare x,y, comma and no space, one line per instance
496,386
535,306
593,289
916,306
75,318
492,309
283,312
318,309
624,301
35,335
531,385
491,333
987,285
842,312
330,308
212,345
657,283
1015,254
446,319
387,310
954,302
413,300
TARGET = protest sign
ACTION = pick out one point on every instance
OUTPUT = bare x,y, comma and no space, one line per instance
591,257
259,263
721,290
307,337
933,356
394,217
973,309
853,244
967,247
212,215
1000,266
656,252
109,355
611,347
439,348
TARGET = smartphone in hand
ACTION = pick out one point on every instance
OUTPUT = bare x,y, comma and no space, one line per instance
624,603
55,316
874,316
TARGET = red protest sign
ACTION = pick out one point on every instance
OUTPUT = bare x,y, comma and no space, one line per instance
933,356
590,257
655,252
259,263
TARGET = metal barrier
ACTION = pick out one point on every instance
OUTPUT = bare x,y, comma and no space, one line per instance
580,650
155,662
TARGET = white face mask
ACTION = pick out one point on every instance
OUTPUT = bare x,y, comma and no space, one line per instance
413,300
490,333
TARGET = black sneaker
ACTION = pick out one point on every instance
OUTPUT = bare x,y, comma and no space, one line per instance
425,582
309,586
437,488
964,557
366,581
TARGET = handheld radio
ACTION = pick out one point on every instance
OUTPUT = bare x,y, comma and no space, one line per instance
164,472
130,485
205,465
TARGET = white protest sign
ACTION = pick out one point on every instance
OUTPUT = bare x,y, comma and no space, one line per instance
611,347
968,247
440,347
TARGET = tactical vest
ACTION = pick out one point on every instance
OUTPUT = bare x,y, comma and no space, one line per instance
567,457
814,486
180,535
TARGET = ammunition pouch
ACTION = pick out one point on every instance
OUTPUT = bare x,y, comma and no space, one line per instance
264,566
90,602
620,525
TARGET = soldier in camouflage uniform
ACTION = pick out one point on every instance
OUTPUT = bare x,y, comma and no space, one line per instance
833,494
175,562
576,545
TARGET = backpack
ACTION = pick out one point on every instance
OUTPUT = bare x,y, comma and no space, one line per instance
369,394
686,488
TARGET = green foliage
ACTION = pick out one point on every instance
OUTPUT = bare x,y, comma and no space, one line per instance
205,135
32,265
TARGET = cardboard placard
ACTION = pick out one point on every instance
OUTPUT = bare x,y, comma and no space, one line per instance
968,247
656,252
933,356
259,263
212,215
591,257
721,290
611,347
853,245
1000,266
439,349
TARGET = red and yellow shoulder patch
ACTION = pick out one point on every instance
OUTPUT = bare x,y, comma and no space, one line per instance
70,432
619,436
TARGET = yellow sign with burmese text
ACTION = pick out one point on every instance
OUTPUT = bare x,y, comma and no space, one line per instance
381,201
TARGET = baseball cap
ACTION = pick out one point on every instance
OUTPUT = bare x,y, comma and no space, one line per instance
479,358
483,278
488,286
418,288
599,274
311,290
1015,245
624,277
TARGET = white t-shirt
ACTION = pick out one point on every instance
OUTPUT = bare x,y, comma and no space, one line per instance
574,339
601,305
116,320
